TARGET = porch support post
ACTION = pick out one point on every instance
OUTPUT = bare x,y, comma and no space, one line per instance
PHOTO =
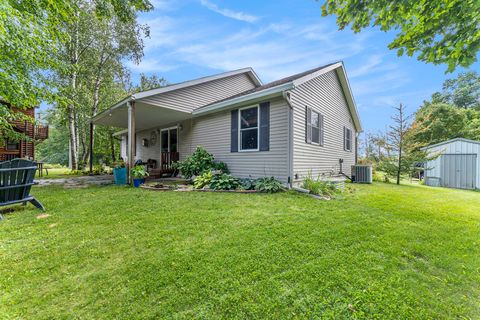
131,138
91,147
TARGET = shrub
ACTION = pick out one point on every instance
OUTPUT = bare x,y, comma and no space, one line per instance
203,180
199,162
248,184
319,187
222,166
98,169
224,181
268,185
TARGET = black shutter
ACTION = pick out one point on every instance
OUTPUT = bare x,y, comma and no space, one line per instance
308,125
322,130
264,126
344,138
234,132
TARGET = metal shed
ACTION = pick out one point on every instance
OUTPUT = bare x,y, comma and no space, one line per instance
457,166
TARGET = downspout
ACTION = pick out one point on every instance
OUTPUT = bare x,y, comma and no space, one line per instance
286,96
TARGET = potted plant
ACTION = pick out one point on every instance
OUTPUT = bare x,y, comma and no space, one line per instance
139,173
120,173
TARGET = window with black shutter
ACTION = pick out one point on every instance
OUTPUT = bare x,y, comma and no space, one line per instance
347,139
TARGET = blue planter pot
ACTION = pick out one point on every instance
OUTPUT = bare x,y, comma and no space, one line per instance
138,182
120,176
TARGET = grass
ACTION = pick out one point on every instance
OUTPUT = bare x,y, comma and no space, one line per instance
56,173
383,252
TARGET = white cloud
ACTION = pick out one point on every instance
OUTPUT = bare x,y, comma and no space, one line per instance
237,15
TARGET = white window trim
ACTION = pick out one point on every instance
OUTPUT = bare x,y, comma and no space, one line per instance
311,130
319,143
168,130
240,129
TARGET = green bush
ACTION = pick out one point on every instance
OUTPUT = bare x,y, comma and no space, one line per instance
199,162
203,180
248,184
319,187
222,166
224,181
139,172
268,185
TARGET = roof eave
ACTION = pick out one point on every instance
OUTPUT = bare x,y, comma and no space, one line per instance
152,92
109,110
344,82
450,141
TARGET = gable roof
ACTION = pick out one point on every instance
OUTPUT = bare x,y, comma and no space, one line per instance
176,86
288,83
249,71
450,141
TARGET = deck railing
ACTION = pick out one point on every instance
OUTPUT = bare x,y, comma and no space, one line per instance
167,159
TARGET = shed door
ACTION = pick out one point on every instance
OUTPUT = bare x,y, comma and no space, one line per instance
459,170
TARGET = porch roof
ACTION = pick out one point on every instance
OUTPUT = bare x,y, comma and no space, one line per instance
146,116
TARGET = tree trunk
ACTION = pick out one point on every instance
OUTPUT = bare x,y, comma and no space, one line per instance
96,100
72,135
72,125
399,170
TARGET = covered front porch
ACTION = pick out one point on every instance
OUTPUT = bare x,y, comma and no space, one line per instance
150,136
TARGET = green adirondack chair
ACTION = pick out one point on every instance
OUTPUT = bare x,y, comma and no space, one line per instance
16,180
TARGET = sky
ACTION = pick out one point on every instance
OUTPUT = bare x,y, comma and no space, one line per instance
195,38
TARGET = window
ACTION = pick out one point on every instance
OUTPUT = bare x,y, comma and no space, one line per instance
248,125
347,134
315,127
12,145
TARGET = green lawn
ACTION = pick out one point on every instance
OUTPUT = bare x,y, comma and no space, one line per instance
56,173
384,252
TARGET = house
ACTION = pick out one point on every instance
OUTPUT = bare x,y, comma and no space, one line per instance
305,123
455,165
25,148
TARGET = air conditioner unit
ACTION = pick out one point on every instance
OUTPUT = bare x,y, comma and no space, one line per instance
362,174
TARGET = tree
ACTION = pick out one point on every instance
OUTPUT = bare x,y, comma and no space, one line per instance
434,123
463,91
31,34
92,60
150,82
396,136
440,31
406,154
472,128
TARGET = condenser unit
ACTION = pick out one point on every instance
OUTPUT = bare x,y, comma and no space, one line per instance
362,174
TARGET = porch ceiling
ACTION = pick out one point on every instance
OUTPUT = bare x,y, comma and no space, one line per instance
146,116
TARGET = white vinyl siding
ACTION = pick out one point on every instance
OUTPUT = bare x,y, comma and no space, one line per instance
191,98
324,95
213,132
